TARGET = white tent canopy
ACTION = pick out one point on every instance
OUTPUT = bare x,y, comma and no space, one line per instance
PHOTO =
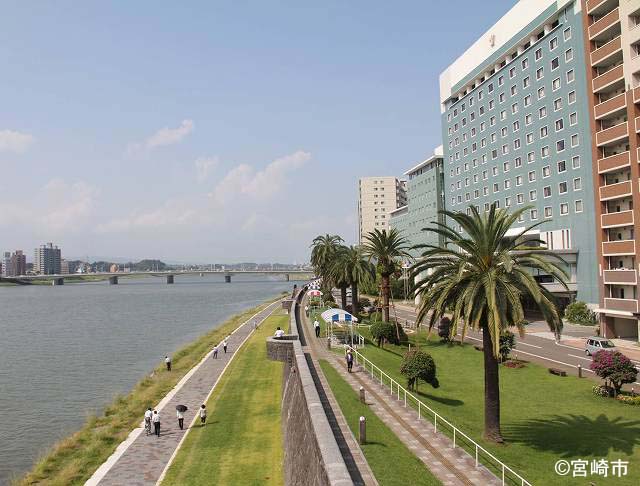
338,315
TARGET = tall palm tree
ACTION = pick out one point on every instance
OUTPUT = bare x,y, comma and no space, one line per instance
480,276
387,248
352,266
323,252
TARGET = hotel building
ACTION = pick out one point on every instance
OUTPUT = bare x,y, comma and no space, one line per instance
377,197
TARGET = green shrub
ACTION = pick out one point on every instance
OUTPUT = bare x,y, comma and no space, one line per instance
614,367
578,313
444,329
375,317
418,365
383,331
602,390
629,400
507,343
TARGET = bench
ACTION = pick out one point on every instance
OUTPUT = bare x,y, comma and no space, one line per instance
557,372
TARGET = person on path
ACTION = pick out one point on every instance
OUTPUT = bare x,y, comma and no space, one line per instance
156,423
215,352
203,414
349,361
306,310
279,332
167,361
147,420
224,346
316,326
180,416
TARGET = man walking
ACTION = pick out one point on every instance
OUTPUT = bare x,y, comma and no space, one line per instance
180,416
156,423
349,361
215,352
203,414
224,345
167,361
306,310
316,327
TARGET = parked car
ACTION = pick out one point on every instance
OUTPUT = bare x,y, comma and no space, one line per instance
597,343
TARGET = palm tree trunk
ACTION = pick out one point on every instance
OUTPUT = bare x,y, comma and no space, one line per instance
385,298
343,296
354,299
491,390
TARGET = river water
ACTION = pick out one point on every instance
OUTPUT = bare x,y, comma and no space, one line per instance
66,351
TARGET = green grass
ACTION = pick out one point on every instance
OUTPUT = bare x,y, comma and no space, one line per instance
544,417
74,459
242,441
390,460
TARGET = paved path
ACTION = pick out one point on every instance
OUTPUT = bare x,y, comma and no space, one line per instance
146,457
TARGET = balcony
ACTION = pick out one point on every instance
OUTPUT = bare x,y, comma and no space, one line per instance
620,247
624,305
620,277
602,55
605,25
612,78
636,92
614,162
612,134
637,122
611,106
615,191
598,7
615,220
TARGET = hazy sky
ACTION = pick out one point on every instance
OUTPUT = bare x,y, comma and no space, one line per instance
213,131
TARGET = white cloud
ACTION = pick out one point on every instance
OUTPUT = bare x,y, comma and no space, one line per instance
171,214
204,166
164,136
261,185
12,141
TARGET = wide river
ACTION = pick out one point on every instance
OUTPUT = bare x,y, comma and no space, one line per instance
66,351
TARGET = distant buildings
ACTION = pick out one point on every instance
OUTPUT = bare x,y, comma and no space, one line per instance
64,267
47,260
14,264
425,198
114,268
377,197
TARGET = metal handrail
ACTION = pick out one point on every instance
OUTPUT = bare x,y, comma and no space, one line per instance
437,418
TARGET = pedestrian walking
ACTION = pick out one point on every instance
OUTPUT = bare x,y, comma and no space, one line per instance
224,346
203,414
147,420
167,361
306,310
180,416
156,423
316,327
349,361
215,352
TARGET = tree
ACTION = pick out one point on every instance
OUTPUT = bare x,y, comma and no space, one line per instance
480,275
615,367
578,313
383,331
507,343
323,251
351,266
444,329
418,365
387,248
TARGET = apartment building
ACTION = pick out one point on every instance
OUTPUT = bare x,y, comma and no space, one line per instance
515,118
47,260
377,197
611,35
425,198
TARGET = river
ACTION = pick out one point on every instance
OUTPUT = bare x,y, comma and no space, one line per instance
66,351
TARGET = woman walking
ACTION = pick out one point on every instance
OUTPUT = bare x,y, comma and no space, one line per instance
180,416
215,352
203,414
156,423
147,421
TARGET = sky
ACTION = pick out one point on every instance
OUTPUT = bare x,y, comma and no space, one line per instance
214,131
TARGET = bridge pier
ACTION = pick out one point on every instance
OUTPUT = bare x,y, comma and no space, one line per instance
57,281
169,279
113,280
287,277
227,278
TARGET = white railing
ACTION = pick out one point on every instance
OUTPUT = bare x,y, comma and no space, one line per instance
438,420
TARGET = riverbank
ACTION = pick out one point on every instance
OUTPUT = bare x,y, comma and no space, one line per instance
74,459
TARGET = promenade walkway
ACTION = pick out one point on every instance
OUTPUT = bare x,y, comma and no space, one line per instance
140,460
454,467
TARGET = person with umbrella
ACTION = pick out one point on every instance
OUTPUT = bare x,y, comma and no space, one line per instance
180,410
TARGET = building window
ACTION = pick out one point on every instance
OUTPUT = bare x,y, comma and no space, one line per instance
568,55
517,162
578,205
562,188
512,72
496,188
555,84
501,98
548,212
507,184
562,166
503,132
520,198
516,144
505,167
516,126
577,184
575,162
555,63
507,202
546,171
539,73
533,214
490,87
531,157
560,145
538,54
570,76
544,151
525,63
572,98
553,43
528,120
529,138
559,124
532,176
526,82
514,90
527,100
546,191
573,119
518,180
575,141
541,92
557,104
567,33
500,80
542,112
544,131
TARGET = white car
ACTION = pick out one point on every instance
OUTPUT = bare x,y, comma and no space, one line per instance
597,343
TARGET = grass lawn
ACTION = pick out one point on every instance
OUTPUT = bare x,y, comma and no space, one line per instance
74,459
390,460
242,441
545,418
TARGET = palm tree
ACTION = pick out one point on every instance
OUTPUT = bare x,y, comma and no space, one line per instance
323,251
480,276
387,248
352,266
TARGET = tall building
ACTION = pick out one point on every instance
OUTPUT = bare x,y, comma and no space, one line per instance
5,264
425,198
18,263
515,127
377,197
611,35
47,259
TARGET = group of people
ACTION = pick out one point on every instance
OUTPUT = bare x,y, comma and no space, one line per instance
224,345
152,417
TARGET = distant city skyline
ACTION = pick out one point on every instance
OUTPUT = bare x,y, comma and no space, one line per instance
205,132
